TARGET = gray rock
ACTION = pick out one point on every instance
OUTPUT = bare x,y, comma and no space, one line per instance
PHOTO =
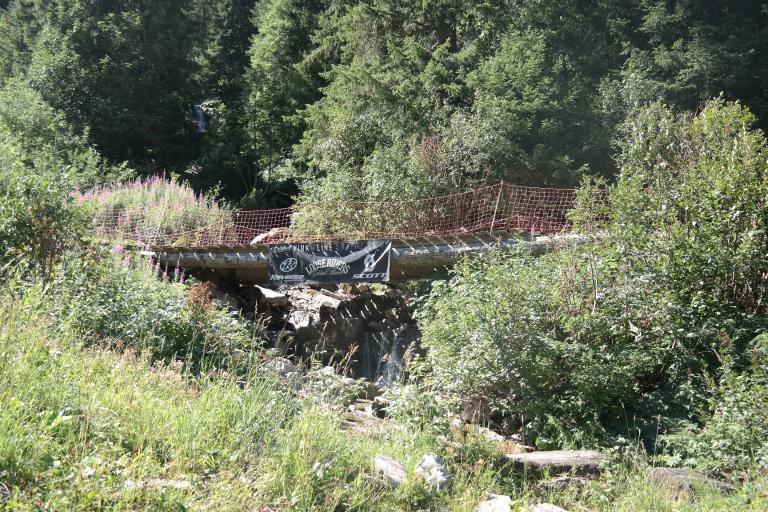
507,445
360,405
559,461
271,297
273,235
379,406
361,422
561,483
284,368
431,468
5,493
495,503
390,469
301,319
686,480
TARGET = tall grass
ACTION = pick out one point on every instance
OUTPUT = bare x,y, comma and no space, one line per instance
87,427
155,210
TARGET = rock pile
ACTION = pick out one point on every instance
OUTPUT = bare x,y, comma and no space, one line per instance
369,333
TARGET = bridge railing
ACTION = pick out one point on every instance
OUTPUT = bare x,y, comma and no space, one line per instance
499,207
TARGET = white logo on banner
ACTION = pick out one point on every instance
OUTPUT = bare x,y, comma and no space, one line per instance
288,265
327,267
370,262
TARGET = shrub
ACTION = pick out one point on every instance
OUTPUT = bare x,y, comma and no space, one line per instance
37,217
113,298
41,162
529,337
731,434
156,210
615,336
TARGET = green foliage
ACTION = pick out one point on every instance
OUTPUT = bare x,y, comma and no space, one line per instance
127,304
615,335
308,91
526,336
685,54
122,432
41,163
695,191
89,429
734,426
227,27
131,92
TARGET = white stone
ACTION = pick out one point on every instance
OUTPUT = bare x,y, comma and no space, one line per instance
272,297
545,507
495,503
431,468
392,470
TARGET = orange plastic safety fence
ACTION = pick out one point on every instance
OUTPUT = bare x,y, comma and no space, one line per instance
500,207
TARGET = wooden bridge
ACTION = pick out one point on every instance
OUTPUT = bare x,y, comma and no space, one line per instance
427,235
411,258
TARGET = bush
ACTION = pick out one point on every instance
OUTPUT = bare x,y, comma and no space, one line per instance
38,220
125,302
527,337
732,433
156,210
41,163
615,336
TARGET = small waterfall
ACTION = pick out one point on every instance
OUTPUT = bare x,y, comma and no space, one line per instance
380,357
389,372
367,364
200,119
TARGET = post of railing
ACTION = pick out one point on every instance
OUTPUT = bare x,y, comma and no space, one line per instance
496,208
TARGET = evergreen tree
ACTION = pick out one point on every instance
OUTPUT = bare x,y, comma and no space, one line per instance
688,52
120,70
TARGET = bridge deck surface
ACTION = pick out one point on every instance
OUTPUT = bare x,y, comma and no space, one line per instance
410,258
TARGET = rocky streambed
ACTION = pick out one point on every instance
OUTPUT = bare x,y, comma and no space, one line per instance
362,332
349,343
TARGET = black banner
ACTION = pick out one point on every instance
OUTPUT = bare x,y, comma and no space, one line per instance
364,261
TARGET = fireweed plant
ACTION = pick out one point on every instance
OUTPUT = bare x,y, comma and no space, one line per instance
155,209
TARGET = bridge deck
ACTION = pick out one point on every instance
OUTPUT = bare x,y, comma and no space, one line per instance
411,257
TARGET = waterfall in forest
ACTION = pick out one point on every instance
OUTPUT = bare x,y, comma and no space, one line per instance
200,119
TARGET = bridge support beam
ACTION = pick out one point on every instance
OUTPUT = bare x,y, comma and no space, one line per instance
411,258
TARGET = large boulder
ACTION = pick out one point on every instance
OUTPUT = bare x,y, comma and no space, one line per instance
432,470
686,481
392,471
559,461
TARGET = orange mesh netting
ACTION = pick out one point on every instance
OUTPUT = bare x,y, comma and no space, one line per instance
500,207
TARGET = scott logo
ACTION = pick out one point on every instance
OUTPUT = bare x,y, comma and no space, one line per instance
378,276
370,262
288,265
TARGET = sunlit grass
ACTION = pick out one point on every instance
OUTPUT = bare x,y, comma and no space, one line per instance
83,427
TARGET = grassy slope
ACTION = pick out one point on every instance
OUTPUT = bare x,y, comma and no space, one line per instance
88,429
